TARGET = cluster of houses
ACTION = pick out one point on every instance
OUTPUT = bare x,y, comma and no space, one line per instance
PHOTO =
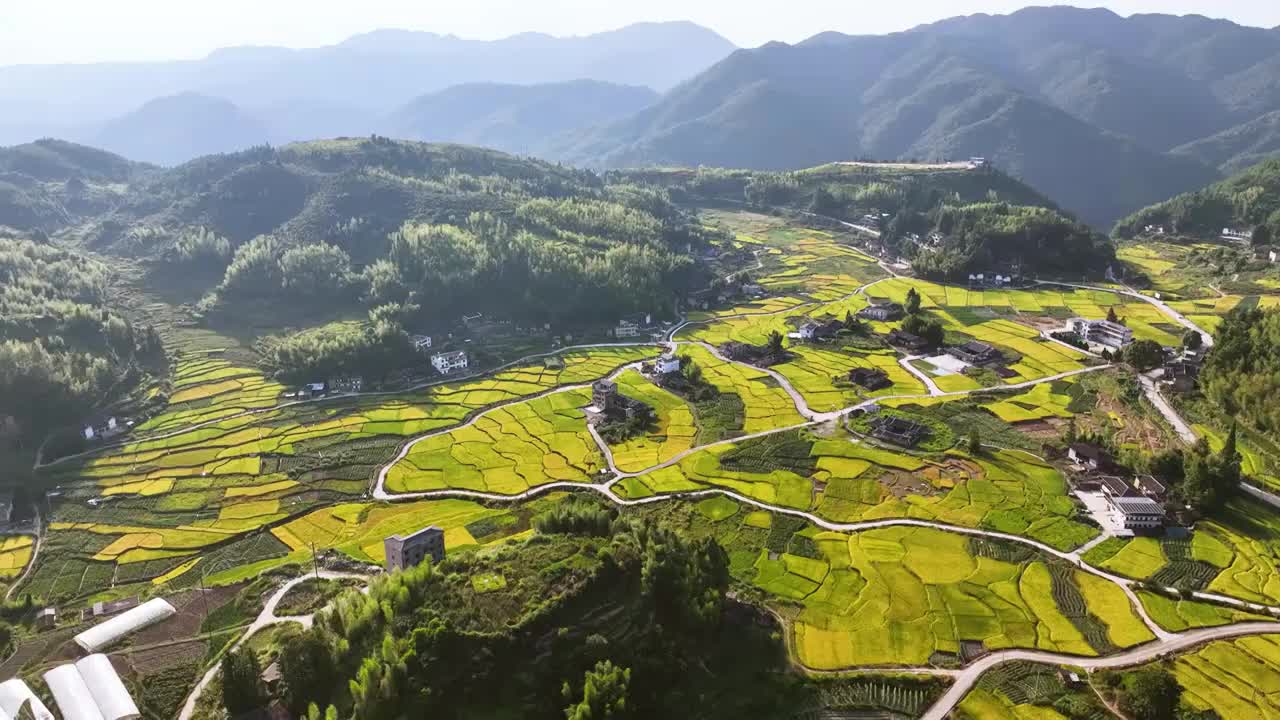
1181,369
338,385
1137,501
1237,234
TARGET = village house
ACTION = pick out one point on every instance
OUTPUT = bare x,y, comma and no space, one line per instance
1138,513
898,431
421,343
1181,375
882,312
607,403
449,362
1102,332
1116,486
668,364
346,385
813,331
1090,457
632,325
1235,234
1151,487
870,378
104,429
906,341
976,353
47,618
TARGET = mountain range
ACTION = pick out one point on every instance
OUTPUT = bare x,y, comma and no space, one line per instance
1102,113
1105,114
348,88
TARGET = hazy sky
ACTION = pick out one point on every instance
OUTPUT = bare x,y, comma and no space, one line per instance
45,31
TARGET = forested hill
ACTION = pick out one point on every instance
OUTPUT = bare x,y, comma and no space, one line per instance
949,221
62,350
1247,201
48,184
1084,105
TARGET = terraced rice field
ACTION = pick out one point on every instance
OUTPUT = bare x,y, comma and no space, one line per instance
899,595
1178,615
843,481
1039,402
1236,678
506,451
15,553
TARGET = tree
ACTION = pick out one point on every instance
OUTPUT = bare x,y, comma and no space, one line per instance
774,346
1192,340
1111,315
692,371
1144,355
913,301
604,694
1151,694
975,441
307,671
242,682
1262,235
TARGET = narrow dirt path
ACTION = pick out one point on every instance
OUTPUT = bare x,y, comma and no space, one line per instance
31,564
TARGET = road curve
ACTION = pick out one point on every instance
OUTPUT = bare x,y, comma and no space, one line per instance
265,618
1146,653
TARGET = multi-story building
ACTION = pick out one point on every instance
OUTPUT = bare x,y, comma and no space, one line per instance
449,362
1103,332
410,550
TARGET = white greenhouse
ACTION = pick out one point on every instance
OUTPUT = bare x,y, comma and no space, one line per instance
107,633
15,693
91,689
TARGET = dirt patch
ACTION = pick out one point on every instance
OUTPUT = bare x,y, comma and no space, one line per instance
156,659
954,471
191,612
1113,417
1046,429
903,484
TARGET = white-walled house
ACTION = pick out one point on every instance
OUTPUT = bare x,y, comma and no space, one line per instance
449,362
668,364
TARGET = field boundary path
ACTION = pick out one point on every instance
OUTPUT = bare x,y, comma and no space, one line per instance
35,554
266,618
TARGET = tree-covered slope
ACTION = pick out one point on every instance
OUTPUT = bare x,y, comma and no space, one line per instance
1239,147
49,184
901,96
62,349
1246,201
515,118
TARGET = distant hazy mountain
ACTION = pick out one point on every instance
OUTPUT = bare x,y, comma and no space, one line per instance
1239,147
174,129
968,87
375,73
515,118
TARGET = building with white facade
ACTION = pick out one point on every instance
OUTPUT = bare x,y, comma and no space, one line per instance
668,364
450,362
1138,513
1103,332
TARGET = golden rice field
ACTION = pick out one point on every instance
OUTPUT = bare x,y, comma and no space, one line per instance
508,450
15,553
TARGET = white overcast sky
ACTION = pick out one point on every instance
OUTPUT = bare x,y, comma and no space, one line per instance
51,31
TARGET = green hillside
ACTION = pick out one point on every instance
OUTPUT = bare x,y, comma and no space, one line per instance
1246,201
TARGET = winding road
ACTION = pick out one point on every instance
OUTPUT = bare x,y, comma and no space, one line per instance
265,618
1166,642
